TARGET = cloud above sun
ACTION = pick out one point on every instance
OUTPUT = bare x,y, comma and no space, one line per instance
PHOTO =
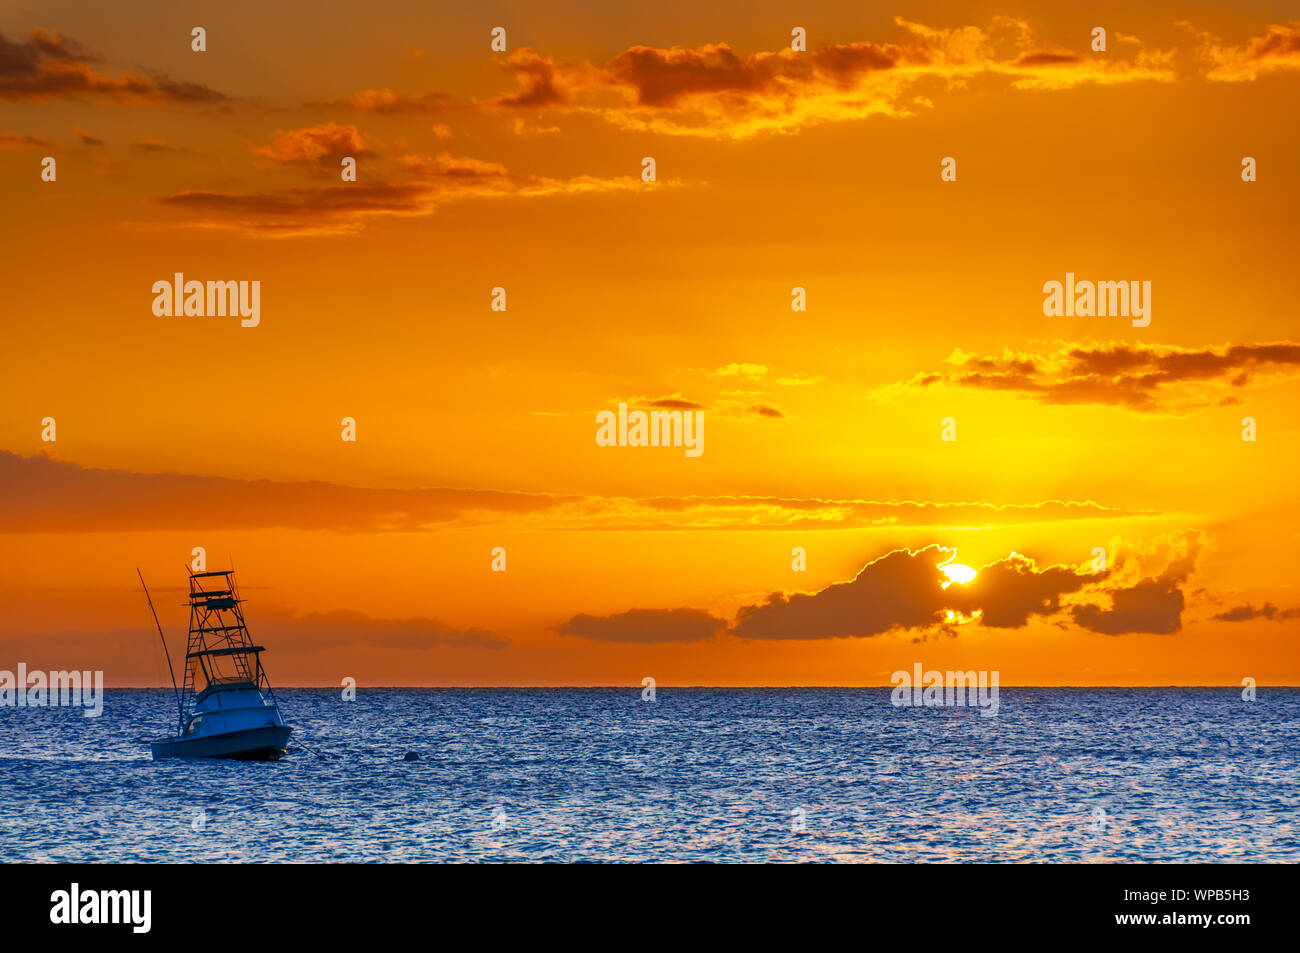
908,590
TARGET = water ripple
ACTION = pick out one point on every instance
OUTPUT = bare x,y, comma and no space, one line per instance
714,775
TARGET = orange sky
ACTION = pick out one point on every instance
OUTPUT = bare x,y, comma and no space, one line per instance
476,428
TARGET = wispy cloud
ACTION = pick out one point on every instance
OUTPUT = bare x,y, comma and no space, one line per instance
426,183
38,494
317,146
388,102
1151,378
48,66
1277,50
1247,613
713,91
13,140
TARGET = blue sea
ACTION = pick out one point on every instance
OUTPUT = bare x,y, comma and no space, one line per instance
722,775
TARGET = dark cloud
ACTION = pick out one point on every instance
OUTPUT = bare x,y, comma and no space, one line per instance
711,90
539,85
38,494
325,630
901,589
48,66
1043,58
1277,41
179,92
672,403
1248,612
358,197
667,77
1141,377
1011,590
646,625
12,140
907,589
1153,605
854,59
87,139
318,209
662,77
904,590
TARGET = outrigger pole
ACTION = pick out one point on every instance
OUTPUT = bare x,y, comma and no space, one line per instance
171,671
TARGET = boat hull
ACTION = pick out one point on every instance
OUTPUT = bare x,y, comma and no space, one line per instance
267,743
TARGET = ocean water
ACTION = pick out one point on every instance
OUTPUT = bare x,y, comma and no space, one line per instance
697,775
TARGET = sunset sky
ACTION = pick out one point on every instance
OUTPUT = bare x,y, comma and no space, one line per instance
476,428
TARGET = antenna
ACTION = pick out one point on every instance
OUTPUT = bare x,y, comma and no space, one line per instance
171,671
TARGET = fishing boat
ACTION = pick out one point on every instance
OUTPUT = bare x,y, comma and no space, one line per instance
225,704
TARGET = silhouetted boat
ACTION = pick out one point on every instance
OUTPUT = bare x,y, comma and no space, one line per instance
226,706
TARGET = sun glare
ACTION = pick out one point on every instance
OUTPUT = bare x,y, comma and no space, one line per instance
956,572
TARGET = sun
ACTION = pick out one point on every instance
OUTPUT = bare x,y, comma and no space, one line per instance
956,572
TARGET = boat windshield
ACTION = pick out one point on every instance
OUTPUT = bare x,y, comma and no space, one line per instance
228,669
